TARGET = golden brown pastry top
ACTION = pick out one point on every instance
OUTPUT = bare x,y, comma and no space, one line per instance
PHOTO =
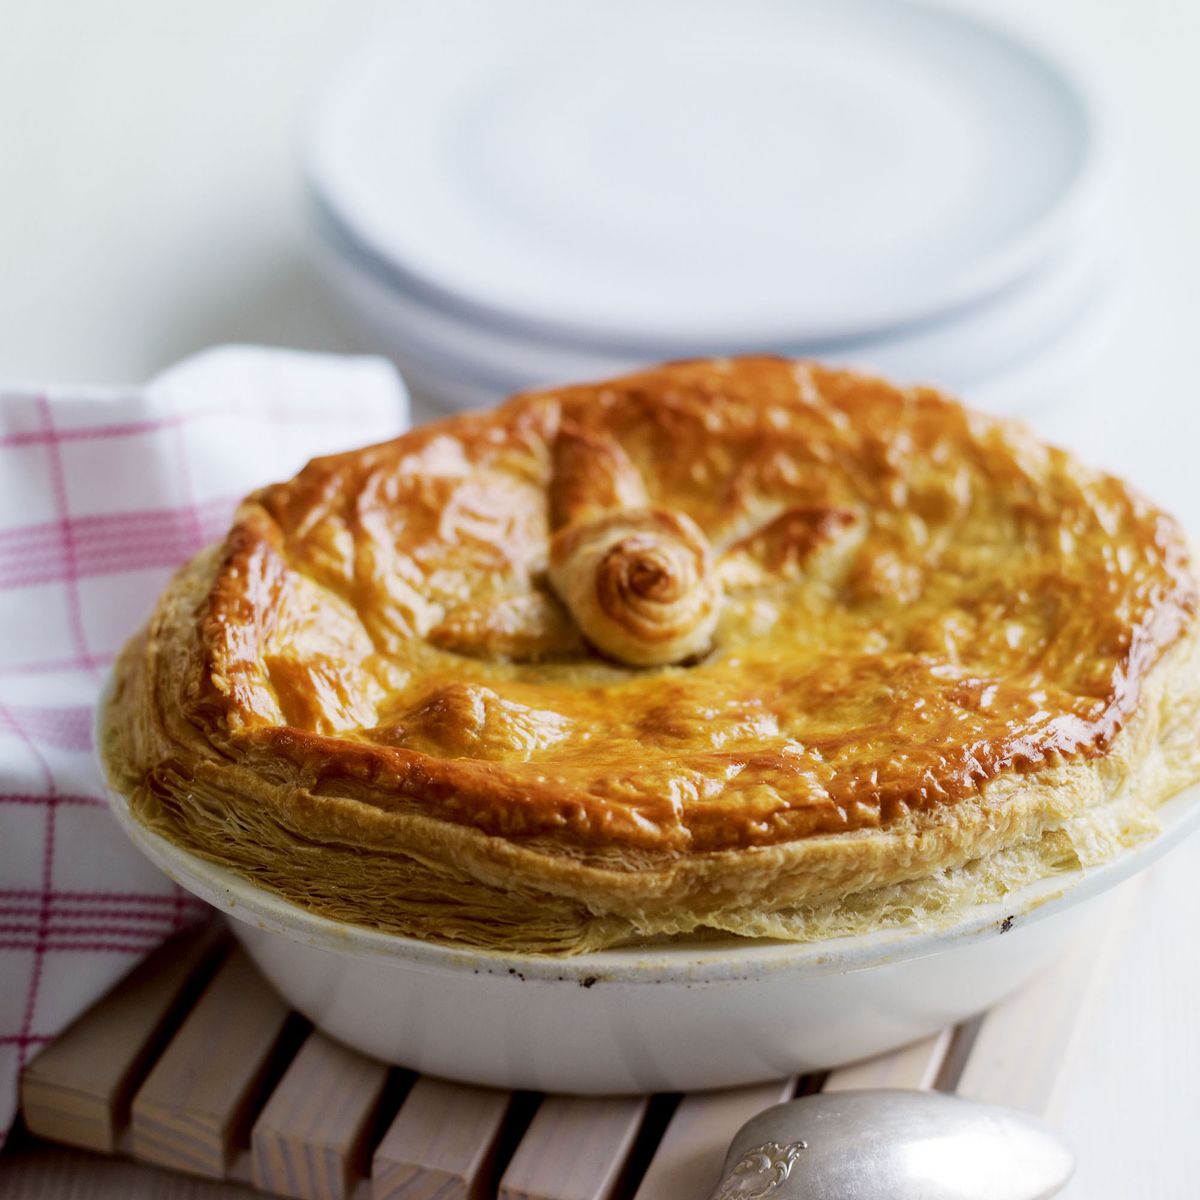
712,605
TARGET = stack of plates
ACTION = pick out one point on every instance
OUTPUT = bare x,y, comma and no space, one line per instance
516,194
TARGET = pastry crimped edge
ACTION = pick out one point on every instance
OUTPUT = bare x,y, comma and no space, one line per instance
419,876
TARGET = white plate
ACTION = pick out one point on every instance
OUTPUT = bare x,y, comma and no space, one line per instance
466,363
699,170
1053,372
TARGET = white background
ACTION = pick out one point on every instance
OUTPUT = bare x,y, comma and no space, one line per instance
149,206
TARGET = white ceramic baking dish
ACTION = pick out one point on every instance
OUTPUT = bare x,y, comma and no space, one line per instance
678,1017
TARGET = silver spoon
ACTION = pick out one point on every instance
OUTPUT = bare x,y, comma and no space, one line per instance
897,1145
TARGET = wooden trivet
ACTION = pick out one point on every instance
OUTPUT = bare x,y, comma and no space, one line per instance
194,1064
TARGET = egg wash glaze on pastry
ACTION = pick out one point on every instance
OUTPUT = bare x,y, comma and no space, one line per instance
741,645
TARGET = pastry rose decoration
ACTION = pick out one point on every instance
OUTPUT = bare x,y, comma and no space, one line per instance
639,581
640,584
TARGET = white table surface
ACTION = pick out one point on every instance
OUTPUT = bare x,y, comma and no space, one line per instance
149,207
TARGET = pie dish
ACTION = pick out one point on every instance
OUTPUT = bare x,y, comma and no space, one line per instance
738,646
630,1020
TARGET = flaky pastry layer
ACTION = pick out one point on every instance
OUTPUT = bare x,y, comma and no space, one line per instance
742,645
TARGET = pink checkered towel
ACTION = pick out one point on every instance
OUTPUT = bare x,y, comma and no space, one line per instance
102,495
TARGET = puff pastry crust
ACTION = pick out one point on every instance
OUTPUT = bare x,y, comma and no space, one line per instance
741,645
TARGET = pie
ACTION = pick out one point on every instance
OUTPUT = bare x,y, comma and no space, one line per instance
738,646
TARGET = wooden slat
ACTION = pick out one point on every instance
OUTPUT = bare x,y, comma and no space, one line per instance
575,1148
915,1066
687,1162
77,1090
200,1094
307,1142
1025,1046
442,1144
31,1170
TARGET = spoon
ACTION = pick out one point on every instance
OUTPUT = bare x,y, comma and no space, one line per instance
898,1145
